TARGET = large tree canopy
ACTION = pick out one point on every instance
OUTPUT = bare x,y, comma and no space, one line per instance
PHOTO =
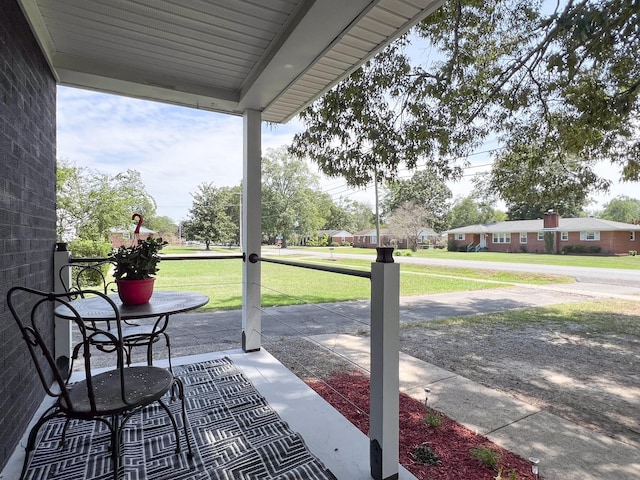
90,203
213,217
622,209
291,201
472,211
564,77
424,190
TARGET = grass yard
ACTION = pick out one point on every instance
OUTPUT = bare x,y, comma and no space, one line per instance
615,317
624,262
283,285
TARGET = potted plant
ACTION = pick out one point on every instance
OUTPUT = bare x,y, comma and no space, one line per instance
135,267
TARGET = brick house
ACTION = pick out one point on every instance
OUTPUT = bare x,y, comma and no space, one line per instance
368,238
529,235
340,237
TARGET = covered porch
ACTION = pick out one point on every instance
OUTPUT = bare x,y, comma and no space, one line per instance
264,63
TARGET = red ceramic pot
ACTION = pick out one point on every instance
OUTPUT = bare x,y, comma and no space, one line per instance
135,292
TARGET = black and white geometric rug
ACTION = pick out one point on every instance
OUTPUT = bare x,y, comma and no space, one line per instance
235,435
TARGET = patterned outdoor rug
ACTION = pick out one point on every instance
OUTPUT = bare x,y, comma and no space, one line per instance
235,435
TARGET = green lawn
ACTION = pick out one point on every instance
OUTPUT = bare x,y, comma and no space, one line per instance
624,262
610,317
285,285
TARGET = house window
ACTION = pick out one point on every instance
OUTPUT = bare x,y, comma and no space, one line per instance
632,237
374,240
460,236
541,236
590,236
501,238
564,236
523,237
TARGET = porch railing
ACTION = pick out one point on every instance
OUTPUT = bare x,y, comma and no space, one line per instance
384,351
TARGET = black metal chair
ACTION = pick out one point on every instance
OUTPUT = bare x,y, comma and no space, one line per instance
134,334
110,397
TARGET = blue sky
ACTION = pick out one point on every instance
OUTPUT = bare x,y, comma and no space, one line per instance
175,149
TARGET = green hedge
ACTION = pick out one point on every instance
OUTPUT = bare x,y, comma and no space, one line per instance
579,248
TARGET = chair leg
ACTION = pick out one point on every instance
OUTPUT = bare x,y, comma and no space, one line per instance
185,420
116,440
173,423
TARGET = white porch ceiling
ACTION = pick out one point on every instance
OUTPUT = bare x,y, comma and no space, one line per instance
275,56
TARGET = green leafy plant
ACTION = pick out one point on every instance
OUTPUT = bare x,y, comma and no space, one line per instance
425,455
486,457
139,261
432,418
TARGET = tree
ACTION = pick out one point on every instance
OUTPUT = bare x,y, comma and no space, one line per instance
469,211
423,189
209,219
163,225
358,130
349,215
409,220
622,209
90,203
538,185
290,197
567,82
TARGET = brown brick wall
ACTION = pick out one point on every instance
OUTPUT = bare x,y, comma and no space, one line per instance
27,207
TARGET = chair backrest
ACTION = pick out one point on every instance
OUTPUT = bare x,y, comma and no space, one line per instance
77,277
33,313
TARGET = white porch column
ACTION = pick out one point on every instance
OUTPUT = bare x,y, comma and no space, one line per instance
384,411
251,230
62,328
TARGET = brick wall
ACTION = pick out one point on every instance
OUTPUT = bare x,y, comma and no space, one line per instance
27,207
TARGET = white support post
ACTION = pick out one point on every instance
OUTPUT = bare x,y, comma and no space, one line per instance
62,328
251,231
384,412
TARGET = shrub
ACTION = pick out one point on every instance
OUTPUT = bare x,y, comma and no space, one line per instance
451,245
425,455
89,248
580,249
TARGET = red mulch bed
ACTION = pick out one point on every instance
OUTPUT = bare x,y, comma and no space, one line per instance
450,441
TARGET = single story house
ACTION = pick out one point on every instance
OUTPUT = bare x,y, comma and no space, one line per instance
369,239
593,235
341,237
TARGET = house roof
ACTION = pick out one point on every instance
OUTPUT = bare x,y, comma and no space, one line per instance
565,225
335,233
220,55
387,231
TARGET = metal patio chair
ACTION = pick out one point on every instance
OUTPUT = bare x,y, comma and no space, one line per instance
110,397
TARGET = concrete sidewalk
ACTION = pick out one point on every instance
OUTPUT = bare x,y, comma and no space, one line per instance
566,450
